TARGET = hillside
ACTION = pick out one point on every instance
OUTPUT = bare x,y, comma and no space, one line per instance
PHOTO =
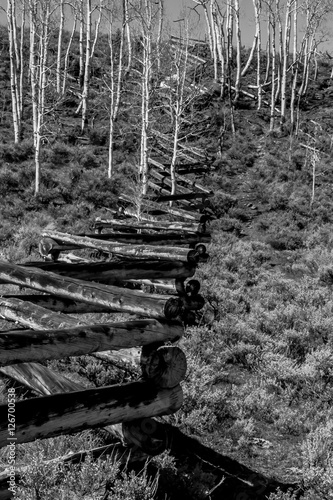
259,387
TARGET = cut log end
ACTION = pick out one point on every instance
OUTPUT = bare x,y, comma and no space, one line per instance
165,367
173,308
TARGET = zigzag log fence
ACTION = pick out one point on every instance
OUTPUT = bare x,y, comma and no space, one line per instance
139,255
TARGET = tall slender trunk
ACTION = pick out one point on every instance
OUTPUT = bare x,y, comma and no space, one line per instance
238,48
64,82
81,48
115,92
13,70
128,35
159,32
60,36
273,93
286,44
86,81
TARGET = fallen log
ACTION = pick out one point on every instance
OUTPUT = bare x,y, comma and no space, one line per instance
57,304
119,270
66,413
168,239
54,241
178,197
197,228
116,299
30,345
154,209
35,317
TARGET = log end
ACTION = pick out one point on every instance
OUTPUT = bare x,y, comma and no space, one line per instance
165,367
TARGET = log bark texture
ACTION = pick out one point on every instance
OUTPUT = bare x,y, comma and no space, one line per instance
117,299
31,345
198,228
50,416
62,241
119,270
167,239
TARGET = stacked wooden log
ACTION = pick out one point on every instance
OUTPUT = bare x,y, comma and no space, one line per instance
145,268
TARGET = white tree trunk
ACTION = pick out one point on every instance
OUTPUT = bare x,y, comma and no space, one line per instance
238,48
60,36
286,44
86,80
11,22
64,82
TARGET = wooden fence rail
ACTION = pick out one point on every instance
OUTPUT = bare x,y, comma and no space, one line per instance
115,298
50,416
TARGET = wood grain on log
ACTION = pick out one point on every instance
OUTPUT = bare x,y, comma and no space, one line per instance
31,345
117,299
51,416
38,318
119,270
157,226
167,239
57,241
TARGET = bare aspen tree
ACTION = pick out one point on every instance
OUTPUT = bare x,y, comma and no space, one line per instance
116,77
280,51
60,37
295,65
257,13
128,35
214,38
178,101
268,45
286,45
22,39
229,54
218,26
40,19
81,42
159,32
272,20
146,35
254,46
238,50
203,4
66,59
86,79
15,66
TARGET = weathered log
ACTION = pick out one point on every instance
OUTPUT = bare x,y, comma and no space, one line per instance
177,239
51,416
119,270
179,197
57,304
154,209
30,345
156,226
117,299
39,378
56,242
38,318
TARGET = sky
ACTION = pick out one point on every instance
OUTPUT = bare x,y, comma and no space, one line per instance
175,10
